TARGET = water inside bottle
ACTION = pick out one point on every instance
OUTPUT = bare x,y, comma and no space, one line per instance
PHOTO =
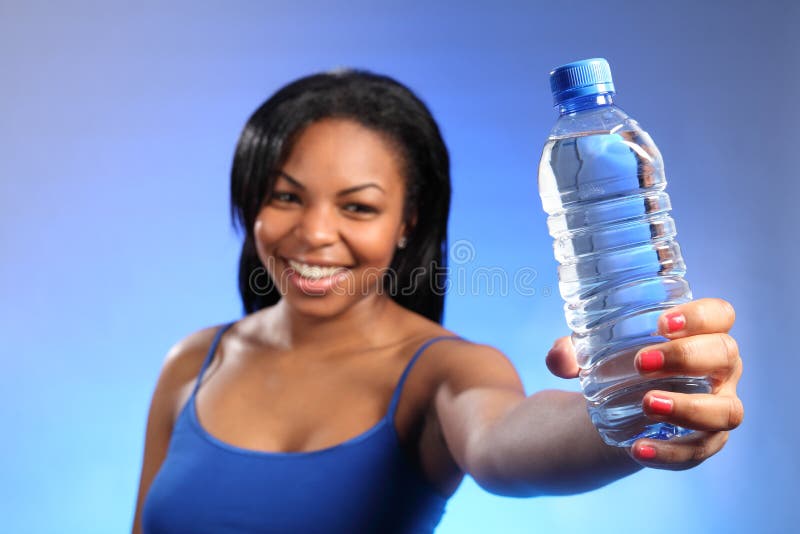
620,268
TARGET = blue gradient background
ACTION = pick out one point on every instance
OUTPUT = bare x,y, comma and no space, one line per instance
117,126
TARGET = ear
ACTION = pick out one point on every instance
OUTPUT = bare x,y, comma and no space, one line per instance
408,226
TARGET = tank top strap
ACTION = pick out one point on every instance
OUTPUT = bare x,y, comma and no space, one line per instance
399,388
210,356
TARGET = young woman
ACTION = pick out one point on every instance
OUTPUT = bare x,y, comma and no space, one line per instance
339,403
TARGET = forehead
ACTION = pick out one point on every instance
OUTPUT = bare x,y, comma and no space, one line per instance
343,153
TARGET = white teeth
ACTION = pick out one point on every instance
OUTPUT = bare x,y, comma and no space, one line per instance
313,271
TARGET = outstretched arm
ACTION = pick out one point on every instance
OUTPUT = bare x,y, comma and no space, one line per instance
545,444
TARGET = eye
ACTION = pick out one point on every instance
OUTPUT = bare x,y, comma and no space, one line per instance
359,208
283,197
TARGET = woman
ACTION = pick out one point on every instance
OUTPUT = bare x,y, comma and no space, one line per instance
339,403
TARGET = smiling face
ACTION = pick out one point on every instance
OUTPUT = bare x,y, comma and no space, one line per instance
332,223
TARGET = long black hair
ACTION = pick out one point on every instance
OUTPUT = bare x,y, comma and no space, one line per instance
416,276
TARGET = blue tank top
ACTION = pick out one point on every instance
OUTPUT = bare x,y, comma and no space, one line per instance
366,484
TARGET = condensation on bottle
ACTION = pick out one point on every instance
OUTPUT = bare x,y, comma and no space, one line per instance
602,184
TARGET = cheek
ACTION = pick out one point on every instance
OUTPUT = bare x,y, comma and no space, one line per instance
266,231
271,225
261,231
373,244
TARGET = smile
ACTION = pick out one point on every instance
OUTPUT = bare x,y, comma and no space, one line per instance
314,272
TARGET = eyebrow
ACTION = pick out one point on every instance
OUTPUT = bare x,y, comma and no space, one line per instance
343,192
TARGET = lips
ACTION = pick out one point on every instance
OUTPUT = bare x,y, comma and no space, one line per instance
314,279
320,262
317,286
314,271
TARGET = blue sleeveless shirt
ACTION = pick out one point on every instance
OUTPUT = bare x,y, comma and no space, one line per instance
366,484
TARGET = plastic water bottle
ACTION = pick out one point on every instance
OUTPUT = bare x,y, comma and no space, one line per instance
601,180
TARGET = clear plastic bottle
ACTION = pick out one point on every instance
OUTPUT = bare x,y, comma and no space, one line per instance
601,180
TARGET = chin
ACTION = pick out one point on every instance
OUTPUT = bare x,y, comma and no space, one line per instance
320,307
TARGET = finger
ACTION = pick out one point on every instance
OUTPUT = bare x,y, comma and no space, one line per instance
698,411
702,316
679,453
561,358
714,355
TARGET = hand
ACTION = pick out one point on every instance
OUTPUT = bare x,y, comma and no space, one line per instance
699,345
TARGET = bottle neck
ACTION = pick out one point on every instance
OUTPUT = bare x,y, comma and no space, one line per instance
582,103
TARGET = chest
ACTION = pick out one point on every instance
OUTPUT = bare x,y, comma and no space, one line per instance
305,405
301,405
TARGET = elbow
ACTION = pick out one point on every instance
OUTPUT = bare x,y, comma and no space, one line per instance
506,488
488,466
502,471
519,486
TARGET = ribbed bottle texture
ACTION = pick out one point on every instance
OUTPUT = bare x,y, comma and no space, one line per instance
601,180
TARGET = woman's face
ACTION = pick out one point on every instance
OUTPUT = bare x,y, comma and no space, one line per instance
331,226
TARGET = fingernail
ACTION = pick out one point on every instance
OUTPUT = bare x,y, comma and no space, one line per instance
660,405
675,321
646,452
651,360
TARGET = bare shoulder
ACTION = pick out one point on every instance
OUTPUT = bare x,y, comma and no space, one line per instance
182,364
186,356
189,352
460,364
462,385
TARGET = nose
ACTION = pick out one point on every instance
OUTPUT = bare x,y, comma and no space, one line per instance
317,226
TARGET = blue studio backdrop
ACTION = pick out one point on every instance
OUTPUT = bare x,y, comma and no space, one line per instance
117,128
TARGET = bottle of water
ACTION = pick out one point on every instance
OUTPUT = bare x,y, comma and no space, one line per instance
601,180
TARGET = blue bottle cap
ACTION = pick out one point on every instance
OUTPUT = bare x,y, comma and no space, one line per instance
581,78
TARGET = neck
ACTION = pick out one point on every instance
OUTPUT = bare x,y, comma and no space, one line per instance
361,323
582,103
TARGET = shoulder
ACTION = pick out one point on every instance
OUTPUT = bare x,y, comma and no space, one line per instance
459,364
457,361
182,364
464,387
186,356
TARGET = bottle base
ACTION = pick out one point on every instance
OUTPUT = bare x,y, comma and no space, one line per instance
662,431
620,421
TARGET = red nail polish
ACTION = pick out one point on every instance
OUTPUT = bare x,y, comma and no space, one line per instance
646,452
651,360
675,321
660,405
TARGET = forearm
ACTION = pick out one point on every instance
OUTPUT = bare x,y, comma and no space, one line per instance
547,445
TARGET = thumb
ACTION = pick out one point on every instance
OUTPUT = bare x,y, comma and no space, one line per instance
561,358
